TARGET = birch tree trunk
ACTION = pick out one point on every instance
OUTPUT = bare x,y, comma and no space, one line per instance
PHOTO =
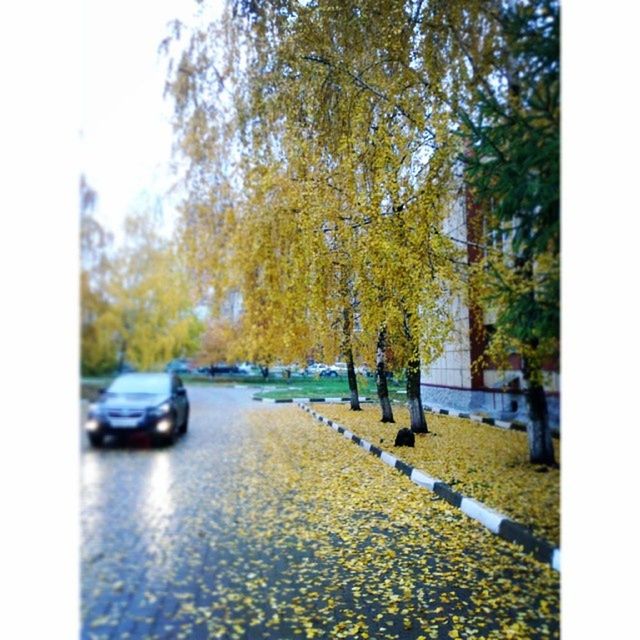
381,378
351,371
414,400
353,382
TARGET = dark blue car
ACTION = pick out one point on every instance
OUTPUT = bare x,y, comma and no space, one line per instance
153,403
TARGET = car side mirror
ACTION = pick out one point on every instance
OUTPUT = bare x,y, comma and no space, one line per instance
181,391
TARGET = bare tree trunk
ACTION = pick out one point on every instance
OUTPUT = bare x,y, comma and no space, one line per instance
348,351
264,370
353,382
381,378
414,399
538,430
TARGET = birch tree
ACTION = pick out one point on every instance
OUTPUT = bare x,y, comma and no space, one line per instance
322,140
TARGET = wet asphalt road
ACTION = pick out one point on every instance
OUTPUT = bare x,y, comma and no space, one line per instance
140,509
159,534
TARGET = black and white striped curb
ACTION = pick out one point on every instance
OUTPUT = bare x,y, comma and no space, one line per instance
503,424
496,522
474,417
299,400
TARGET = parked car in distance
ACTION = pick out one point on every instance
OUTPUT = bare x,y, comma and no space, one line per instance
249,369
277,370
179,365
153,403
316,368
364,370
340,368
293,369
284,370
223,369
328,373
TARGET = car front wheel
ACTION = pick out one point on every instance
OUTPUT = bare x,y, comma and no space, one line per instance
169,439
96,439
185,423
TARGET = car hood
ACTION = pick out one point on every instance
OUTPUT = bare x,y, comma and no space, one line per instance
133,401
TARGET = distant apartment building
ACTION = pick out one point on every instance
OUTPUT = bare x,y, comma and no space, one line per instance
451,381
231,308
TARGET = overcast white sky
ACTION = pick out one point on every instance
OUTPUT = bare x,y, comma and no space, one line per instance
125,129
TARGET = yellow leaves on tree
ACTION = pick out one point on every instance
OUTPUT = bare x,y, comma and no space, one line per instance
219,342
146,312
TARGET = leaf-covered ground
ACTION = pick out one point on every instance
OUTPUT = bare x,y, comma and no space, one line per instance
479,461
263,523
382,558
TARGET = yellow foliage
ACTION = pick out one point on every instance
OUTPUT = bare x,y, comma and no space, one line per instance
145,314
329,185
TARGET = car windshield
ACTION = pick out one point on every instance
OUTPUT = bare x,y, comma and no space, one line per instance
141,383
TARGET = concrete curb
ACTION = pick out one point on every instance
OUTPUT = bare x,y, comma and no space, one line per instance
474,417
299,400
502,424
496,522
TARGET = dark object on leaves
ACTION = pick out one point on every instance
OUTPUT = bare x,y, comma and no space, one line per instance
405,438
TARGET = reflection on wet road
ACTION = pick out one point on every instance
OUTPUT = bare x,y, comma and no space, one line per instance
140,510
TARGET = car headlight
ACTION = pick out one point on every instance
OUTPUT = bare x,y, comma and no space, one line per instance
163,426
163,408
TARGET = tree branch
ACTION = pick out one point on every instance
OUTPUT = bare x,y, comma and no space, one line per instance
363,84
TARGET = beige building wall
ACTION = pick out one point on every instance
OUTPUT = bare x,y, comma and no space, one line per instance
453,368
